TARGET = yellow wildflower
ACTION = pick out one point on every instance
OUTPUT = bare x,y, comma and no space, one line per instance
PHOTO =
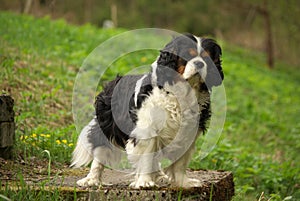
23,138
34,135
58,142
144,59
48,136
64,141
70,145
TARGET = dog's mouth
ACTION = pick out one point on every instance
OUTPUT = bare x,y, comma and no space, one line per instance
195,80
201,74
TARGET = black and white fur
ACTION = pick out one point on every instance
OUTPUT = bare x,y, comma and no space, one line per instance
154,116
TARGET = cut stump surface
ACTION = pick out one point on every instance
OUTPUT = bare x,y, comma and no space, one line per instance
217,186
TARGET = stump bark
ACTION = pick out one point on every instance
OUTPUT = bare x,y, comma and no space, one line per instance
7,126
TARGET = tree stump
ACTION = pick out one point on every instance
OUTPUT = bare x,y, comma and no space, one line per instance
217,186
7,126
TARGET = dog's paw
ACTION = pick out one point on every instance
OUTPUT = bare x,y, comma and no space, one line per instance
143,182
162,177
88,181
189,183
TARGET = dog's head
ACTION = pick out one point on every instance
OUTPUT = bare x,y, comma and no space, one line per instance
191,57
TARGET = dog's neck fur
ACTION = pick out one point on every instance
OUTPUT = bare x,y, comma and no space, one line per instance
201,91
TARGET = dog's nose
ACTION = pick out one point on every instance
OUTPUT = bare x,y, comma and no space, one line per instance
199,64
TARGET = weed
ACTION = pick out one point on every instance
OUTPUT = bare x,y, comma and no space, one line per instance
49,163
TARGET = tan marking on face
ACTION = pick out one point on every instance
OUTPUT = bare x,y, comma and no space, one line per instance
193,52
181,69
204,54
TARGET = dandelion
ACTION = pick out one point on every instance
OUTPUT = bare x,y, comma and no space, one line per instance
143,59
64,141
34,135
71,145
42,135
58,142
48,136
23,137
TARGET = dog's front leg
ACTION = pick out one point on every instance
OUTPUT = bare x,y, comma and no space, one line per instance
94,176
177,171
142,156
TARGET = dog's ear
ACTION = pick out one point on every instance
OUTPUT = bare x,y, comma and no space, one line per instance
167,64
179,41
169,55
166,68
215,52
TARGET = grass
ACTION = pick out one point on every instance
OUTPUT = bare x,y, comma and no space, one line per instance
260,143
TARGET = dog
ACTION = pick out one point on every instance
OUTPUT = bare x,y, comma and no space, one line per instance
154,116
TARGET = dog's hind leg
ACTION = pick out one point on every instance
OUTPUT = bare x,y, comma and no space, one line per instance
94,176
93,145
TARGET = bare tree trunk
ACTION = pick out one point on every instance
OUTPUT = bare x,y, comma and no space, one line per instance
269,36
22,6
52,7
28,6
265,13
114,14
88,4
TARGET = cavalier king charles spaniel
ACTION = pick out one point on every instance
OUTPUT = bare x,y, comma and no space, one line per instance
155,116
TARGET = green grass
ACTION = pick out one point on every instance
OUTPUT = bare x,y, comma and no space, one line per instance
260,143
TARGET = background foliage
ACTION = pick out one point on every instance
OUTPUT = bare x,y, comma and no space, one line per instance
260,144
238,22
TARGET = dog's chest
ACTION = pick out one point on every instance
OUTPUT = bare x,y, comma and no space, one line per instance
164,112
161,109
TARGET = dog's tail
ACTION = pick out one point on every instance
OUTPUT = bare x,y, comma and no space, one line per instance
83,153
